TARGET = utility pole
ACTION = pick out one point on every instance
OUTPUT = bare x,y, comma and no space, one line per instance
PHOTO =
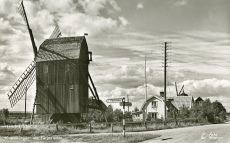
128,101
145,91
123,102
25,101
165,71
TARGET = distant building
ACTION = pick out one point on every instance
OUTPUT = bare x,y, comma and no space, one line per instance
137,116
199,101
155,106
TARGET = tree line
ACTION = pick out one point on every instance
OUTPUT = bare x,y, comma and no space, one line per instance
212,112
207,111
111,115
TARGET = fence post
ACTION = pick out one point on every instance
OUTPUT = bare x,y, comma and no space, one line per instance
132,126
90,128
165,123
57,127
112,127
21,130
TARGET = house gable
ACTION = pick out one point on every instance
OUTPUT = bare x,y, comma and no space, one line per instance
152,98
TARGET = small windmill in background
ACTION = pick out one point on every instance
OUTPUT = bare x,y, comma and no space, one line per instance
181,93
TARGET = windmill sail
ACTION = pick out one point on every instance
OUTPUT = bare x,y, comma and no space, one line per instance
23,83
22,11
56,33
28,77
176,89
182,88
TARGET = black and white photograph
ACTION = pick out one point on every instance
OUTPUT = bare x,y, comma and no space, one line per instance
114,71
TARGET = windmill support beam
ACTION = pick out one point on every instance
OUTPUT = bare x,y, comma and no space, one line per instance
95,90
98,101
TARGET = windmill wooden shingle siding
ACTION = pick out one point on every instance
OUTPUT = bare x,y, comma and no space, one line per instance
62,75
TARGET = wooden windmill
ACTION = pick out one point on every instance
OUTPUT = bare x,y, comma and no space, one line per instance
60,68
181,93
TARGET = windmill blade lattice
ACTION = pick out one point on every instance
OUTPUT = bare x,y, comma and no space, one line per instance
22,12
23,83
56,33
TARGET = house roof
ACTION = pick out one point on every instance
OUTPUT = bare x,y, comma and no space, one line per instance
180,101
137,112
198,99
177,101
60,48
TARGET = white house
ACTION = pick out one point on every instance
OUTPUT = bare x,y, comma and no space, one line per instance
155,106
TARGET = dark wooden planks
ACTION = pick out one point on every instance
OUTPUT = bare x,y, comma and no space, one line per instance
63,91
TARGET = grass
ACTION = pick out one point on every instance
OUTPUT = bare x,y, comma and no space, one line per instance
50,129
113,138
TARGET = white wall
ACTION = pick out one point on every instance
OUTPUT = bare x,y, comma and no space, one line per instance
137,118
159,109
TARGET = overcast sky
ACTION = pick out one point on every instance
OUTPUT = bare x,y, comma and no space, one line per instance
121,32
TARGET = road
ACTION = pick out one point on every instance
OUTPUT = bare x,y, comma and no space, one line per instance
218,133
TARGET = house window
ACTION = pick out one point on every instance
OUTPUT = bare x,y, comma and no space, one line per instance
45,68
154,115
200,103
67,68
71,93
154,104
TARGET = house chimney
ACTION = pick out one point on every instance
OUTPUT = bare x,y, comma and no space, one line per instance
162,94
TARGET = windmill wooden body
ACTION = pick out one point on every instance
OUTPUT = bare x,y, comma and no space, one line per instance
60,68
62,77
